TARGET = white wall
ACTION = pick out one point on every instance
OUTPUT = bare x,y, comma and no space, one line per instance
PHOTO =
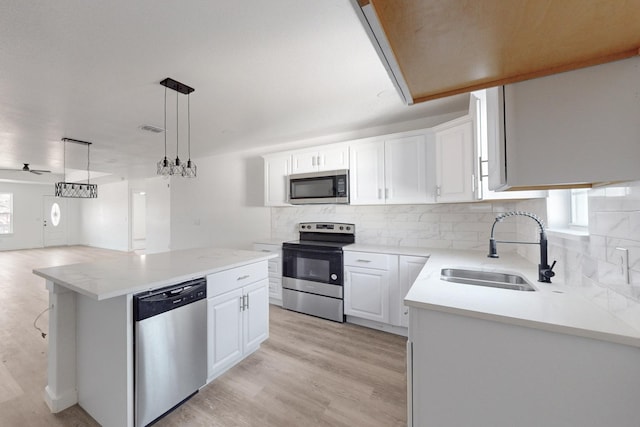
223,206
158,209
105,220
27,216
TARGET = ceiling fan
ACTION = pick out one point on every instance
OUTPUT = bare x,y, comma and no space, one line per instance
26,168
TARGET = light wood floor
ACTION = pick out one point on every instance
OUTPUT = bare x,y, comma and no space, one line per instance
311,372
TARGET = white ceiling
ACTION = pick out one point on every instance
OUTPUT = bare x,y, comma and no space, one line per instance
264,72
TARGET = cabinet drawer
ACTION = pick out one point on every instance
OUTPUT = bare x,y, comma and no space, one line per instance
228,280
275,267
368,260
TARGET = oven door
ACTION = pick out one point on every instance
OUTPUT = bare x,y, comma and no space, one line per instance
316,264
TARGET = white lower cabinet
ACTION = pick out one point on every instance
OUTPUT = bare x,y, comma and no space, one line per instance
275,270
224,342
375,285
409,268
238,319
367,293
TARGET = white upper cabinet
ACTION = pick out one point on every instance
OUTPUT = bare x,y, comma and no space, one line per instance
389,171
366,173
330,157
454,154
405,170
578,127
276,169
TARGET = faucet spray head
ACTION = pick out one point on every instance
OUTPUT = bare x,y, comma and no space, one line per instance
493,249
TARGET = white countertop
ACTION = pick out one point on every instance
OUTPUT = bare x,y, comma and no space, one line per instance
553,307
391,250
130,274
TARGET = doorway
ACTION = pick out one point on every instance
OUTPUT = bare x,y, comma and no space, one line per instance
139,220
54,221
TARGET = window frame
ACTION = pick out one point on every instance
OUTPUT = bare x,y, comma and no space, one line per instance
8,214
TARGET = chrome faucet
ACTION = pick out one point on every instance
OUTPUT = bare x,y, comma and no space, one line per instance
545,272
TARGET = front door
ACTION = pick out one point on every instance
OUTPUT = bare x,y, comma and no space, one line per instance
54,221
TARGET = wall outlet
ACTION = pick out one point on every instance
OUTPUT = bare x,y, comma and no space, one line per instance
623,263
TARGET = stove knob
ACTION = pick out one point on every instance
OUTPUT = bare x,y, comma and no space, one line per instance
334,277
348,228
341,228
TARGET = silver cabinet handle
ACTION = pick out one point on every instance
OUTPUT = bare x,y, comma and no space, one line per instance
386,193
313,161
247,302
379,193
265,250
241,303
243,277
364,260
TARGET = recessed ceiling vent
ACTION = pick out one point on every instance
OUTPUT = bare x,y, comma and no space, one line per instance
151,128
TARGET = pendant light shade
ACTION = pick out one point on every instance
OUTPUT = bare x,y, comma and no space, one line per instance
166,167
76,189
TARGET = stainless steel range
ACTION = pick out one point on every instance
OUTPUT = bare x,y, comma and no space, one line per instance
312,269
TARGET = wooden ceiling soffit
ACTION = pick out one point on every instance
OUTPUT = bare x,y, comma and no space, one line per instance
438,48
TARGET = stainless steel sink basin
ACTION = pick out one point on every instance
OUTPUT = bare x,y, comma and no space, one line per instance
486,278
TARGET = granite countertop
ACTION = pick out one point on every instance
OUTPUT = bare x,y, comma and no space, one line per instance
130,274
553,307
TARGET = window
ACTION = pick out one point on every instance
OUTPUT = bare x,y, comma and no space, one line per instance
6,213
579,208
568,211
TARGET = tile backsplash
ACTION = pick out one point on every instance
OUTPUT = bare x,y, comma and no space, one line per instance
452,226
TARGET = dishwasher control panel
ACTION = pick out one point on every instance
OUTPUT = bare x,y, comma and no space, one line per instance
151,303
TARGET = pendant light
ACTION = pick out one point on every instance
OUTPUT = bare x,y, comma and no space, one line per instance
165,166
190,169
75,189
168,167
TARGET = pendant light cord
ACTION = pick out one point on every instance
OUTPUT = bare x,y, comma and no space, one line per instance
189,125
165,123
177,130
64,159
88,157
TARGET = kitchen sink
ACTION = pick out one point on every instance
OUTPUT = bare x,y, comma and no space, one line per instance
486,278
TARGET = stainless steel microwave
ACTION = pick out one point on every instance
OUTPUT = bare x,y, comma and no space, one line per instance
319,187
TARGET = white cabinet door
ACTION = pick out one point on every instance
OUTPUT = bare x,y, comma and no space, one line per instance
255,315
454,163
405,170
331,158
224,332
366,173
303,162
367,293
570,128
409,268
276,169
323,159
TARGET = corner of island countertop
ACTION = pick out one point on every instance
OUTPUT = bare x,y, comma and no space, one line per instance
129,273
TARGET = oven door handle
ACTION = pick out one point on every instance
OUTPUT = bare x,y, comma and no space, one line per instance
313,251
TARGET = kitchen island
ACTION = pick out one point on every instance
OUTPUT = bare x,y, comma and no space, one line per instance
495,357
91,354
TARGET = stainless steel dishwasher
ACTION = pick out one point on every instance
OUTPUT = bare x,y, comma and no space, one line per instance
170,340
